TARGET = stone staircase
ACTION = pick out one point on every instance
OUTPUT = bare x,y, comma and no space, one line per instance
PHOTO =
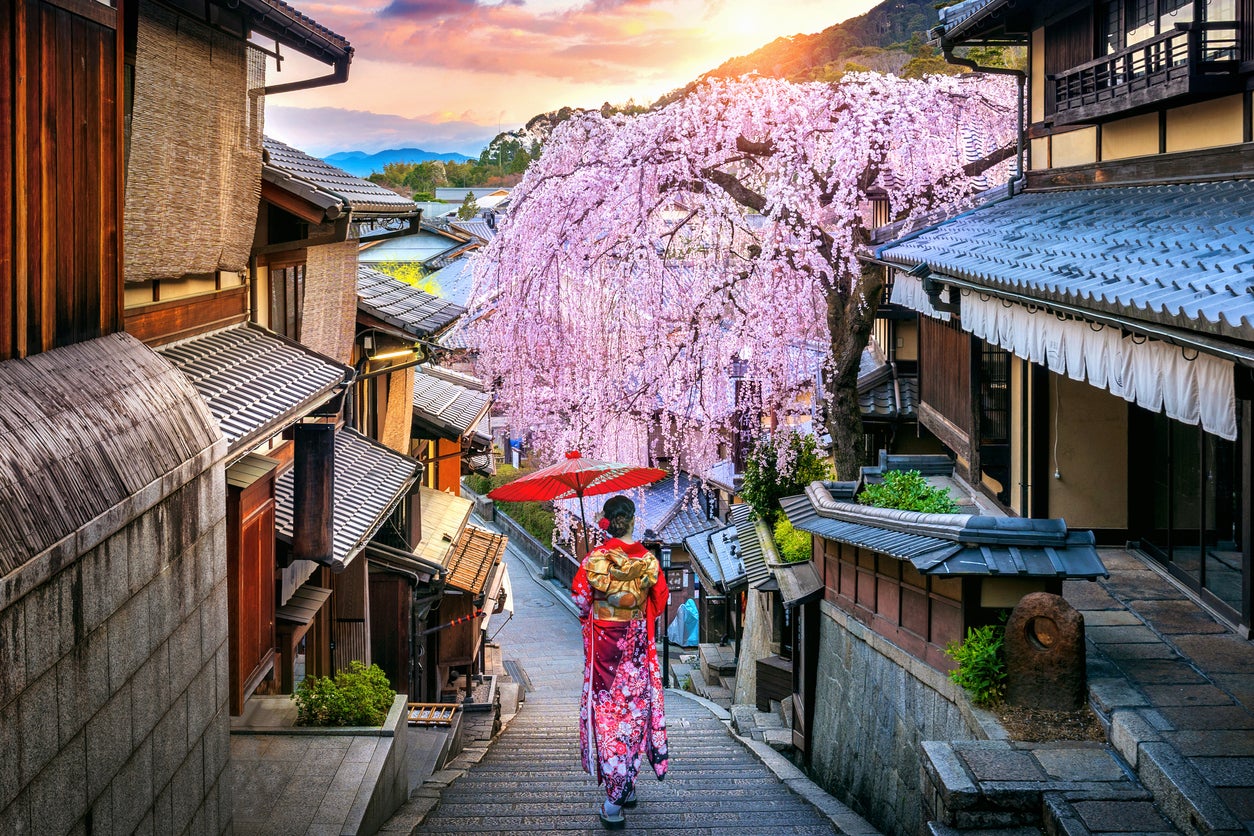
1004,788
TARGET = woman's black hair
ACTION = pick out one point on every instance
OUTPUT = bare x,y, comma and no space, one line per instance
621,512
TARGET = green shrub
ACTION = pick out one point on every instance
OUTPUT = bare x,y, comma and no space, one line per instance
359,696
793,546
765,485
536,518
981,672
907,490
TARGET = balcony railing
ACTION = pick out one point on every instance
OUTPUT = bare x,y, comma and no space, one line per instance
1192,58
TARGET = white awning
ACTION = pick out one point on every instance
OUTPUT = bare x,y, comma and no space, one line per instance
1189,386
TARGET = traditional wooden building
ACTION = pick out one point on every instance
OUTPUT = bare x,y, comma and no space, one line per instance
1089,330
114,571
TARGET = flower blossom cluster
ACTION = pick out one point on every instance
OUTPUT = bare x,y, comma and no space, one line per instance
650,262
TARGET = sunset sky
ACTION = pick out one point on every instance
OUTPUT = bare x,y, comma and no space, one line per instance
444,75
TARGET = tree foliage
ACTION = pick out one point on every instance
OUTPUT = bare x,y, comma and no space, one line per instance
780,467
643,255
469,207
981,670
793,545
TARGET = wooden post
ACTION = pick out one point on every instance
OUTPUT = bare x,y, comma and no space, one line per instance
313,485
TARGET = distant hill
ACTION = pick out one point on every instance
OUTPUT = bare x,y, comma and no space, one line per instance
882,39
361,164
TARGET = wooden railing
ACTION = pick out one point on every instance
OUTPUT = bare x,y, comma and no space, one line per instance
1188,59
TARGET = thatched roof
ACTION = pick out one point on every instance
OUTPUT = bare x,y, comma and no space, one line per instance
83,429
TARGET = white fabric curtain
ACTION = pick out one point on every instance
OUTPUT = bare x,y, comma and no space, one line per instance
1191,387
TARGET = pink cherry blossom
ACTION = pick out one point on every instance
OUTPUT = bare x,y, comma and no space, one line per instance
643,255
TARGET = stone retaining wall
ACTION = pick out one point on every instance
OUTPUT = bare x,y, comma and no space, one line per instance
874,706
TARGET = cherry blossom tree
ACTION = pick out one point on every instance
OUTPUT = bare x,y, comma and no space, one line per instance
645,255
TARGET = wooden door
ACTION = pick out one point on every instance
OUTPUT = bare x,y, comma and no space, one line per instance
251,590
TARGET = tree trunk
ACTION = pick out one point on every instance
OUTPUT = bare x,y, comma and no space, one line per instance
850,318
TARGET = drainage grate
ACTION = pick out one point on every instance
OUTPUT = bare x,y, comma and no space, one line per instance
517,674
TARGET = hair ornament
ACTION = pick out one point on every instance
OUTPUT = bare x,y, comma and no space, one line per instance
603,524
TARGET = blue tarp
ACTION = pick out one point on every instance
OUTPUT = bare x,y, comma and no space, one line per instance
683,630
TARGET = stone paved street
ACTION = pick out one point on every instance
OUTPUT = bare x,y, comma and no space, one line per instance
531,781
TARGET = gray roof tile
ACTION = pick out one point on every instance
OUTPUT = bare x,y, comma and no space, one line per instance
413,311
325,185
1177,255
447,409
255,382
453,281
977,546
369,480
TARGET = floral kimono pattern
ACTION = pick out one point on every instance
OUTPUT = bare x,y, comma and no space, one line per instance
621,713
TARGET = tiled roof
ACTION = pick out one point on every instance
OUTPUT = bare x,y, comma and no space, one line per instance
798,582
255,382
451,254
881,402
967,12
477,554
454,281
1178,255
750,533
683,524
293,28
447,409
477,227
656,505
953,544
323,184
715,558
444,518
731,556
369,479
413,311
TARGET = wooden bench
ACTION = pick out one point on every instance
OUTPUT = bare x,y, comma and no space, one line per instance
431,713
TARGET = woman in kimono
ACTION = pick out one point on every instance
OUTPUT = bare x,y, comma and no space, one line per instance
619,594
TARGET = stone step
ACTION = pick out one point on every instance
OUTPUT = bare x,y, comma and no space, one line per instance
717,660
938,829
728,682
714,693
679,672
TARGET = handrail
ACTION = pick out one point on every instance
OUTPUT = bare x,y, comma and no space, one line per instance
1185,45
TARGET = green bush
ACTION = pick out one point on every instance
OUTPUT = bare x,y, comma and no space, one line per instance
359,696
981,671
907,490
536,518
793,546
478,484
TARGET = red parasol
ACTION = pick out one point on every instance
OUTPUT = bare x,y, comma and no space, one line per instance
576,477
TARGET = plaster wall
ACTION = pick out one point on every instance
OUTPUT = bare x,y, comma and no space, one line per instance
1136,136
907,338
1206,124
1089,451
874,706
113,676
1074,148
261,292
1036,51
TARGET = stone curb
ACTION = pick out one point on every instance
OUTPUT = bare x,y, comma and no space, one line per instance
846,821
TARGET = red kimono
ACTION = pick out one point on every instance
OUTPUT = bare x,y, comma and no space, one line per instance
621,718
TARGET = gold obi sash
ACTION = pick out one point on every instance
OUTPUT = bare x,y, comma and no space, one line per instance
620,583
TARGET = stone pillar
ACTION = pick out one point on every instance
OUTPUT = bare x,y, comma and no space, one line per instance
1045,654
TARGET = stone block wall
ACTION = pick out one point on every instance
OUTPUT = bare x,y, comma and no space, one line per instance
113,672
874,705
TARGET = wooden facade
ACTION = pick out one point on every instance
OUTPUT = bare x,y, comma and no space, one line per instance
918,613
250,575
61,179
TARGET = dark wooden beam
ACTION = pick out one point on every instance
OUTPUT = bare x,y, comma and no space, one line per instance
174,319
1226,163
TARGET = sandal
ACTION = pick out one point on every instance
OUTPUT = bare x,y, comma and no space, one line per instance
612,816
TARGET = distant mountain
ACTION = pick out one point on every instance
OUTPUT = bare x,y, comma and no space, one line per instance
361,164
882,39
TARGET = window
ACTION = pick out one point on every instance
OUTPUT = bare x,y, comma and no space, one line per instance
287,298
